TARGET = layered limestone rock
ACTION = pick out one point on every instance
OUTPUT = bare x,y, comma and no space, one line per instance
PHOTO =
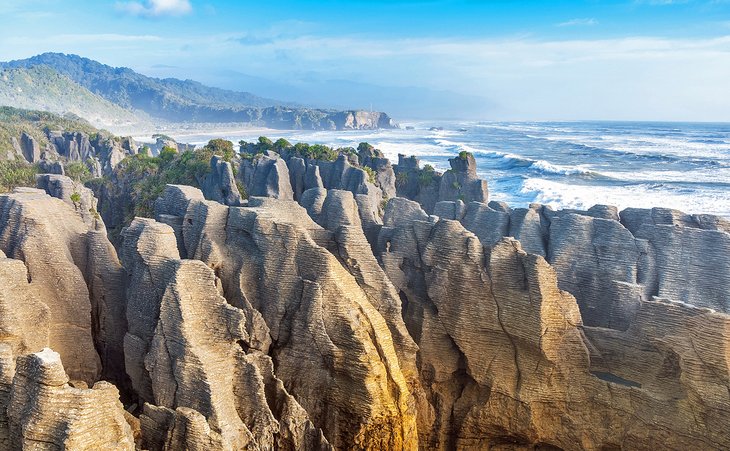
609,260
30,148
74,272
23,315
266,175
430,188
414,183
186,356
511,363
45,412
303,175
273,263
7,371
51,167
219,184
74,194
373,158
461,181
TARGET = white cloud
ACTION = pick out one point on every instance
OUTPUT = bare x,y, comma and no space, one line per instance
578,22
156,7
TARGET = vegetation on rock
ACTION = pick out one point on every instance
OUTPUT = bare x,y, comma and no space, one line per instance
16,173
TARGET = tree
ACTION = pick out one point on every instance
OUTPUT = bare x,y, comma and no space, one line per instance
281,144
265,144
220,147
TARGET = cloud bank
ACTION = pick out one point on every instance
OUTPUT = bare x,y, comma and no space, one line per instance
156,8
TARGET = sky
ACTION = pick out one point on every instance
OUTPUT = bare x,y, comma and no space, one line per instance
659,60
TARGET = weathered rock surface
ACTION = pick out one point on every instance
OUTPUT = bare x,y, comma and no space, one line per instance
384,174
268,176
414,183
610,264
80,198
461,181
220,185
304,299
74,273
319,324
510,362
30,148
188,346
45,412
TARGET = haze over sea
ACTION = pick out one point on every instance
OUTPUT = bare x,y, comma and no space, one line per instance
562,164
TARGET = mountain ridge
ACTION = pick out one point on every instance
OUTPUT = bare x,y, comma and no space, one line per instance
175,100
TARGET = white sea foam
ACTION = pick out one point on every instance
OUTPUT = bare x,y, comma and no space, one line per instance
561,195
644,165
549,168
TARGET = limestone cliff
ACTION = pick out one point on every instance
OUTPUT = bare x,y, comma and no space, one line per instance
310,319
274,264
62,255
511,361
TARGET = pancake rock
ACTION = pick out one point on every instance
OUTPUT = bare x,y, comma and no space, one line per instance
74,194
73,270
266,175
219,185
185,353
45,412
611,260
330,345
511,362
384,175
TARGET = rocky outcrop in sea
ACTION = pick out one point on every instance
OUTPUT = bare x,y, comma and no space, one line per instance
338,308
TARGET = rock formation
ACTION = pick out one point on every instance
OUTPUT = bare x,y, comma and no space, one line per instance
46,412
428,187
219,185
73,272
74,194
511,361
414,183
30,148
185,355
318,318
266,175
373,158
359,396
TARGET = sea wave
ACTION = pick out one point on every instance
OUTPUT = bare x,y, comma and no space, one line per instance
643,195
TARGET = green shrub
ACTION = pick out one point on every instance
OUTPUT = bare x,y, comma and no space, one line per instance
76,199
265,144
78,171
16,173
241,190
167,154
464,155
401,178
221,147
371,174
425,178
281,144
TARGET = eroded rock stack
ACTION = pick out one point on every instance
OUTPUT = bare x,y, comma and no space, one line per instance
307,320
511,361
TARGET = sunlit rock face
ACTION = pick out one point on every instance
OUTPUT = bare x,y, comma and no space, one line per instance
306,320
331,346
506,359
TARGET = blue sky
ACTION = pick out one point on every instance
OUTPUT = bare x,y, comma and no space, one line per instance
633,59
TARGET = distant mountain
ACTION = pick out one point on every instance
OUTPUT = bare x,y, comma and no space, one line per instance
189,101
42,88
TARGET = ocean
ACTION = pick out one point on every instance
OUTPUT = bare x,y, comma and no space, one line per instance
685,166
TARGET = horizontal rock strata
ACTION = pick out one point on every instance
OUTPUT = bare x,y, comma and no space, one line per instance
319,317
